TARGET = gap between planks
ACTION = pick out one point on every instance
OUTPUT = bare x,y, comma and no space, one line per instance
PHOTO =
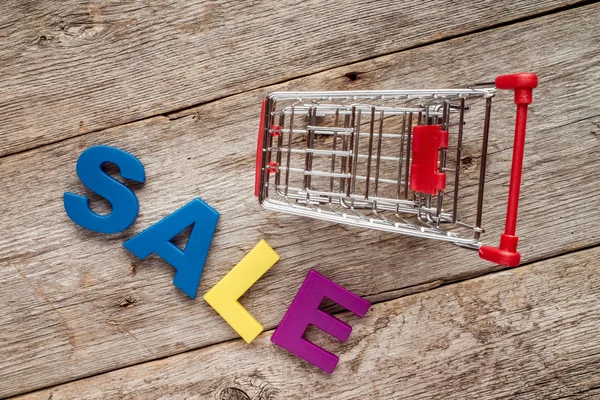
187,110
334,310
299,364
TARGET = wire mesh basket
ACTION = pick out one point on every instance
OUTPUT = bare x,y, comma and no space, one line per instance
389,160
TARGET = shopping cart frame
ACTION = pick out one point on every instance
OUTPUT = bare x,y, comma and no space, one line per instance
307,202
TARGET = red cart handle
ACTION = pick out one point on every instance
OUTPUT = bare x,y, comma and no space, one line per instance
506,253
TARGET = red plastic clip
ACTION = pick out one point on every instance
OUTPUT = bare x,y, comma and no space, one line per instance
272,167
506,253
275,130
424,172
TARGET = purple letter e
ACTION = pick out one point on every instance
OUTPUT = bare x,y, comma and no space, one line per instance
305,310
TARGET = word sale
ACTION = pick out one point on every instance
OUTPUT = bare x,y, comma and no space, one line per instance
189,262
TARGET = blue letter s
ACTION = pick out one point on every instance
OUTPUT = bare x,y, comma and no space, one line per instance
124,203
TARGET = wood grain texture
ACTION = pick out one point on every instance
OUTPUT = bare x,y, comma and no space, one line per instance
75,303
72,67
528,333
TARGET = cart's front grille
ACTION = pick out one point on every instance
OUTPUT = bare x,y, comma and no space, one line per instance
347,156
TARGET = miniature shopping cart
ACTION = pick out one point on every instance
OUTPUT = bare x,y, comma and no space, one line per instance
390,160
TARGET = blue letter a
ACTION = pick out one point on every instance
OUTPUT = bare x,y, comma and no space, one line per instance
124,203
190,262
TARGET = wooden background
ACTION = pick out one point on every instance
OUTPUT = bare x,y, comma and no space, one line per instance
178,84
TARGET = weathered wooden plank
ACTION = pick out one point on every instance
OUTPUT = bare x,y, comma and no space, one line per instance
73,323
529,333
71,67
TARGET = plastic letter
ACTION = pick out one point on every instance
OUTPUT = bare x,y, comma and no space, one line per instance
124,203
304,310
189,263
223,297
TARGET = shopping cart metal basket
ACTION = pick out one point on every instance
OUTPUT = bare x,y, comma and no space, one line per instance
390,160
